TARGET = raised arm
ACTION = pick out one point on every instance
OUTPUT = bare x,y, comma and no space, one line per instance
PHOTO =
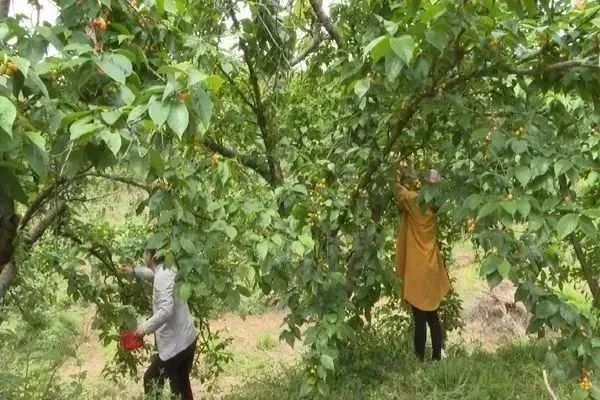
143,273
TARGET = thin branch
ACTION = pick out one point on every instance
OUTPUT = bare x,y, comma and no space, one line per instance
317,39
556,67
327,23
121,179
548,388
238,90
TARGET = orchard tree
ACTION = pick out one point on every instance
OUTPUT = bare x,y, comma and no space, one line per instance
263,137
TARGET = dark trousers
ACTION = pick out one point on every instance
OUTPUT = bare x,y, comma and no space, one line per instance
177,369
422,319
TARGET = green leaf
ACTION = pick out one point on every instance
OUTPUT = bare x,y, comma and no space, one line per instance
159,111
8,114
156,241
588,227
562,166
378,48
327,362
486,210
126,95
437,39
112,140
187,245
523,174
361,87
23,65
404,47
10,185
116,66
545,309
306,389
307,241
298,248
567,225
110,117
539,166
37,139
298,188
214,82
202,105
504,269
185,291
262,249
531,6
490,265
519,146
179,118
82,127
510,206
524,207
36,157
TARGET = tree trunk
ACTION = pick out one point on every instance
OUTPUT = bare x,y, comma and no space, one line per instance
4,8
8,228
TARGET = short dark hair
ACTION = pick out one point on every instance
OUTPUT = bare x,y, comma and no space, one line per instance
157,258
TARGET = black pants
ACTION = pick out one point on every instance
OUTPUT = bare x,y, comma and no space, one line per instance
177,369
422,319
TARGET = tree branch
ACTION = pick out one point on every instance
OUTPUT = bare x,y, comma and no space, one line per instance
7,276
4,8
556,67
276,175
588,271
251,162
317,39
238,90
121,179
327,23
36,233
39,201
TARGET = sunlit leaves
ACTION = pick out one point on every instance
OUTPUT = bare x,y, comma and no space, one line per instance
8,113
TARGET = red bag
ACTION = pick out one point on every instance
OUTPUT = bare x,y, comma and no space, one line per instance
130,342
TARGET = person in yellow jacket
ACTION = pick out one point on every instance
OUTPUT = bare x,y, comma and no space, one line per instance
420,266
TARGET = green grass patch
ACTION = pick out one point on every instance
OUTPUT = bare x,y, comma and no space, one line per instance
384,369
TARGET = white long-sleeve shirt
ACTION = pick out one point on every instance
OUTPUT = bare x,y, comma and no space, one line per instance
171,322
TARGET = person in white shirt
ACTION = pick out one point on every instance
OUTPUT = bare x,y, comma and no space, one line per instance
173,328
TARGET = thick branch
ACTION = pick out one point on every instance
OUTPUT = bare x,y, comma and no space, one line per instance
253,163
7,276
587,270
39,201
4,8
327,23
36,233
274,167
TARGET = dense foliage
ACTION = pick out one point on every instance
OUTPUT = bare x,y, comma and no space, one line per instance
262,138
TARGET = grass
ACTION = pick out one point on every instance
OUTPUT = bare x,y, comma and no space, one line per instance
266,342
383,373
